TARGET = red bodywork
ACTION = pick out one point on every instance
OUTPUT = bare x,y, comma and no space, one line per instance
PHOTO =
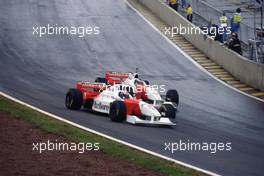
141,92
90,90
113,77
132,106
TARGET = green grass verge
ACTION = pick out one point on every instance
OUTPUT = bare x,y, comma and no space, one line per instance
112,148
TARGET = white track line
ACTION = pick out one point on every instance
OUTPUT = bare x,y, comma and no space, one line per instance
115,139
188,57
106,136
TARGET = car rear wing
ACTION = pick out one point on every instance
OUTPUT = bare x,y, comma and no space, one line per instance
115,77
90,89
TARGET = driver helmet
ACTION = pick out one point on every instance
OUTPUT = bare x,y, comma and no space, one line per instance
124,95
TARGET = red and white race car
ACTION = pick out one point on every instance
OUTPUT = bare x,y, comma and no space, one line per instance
119,104
139,88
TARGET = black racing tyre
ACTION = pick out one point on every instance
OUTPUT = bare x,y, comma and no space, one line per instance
74,99
147,82
101,80
118,111
168,110
172,96
88,104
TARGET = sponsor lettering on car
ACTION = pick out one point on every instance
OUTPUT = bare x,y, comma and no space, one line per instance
101,106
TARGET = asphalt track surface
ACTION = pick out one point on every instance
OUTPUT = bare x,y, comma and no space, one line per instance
40,70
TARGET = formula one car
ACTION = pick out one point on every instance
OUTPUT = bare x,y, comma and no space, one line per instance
118,103
140,88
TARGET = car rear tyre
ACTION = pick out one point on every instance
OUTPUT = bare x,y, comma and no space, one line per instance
173,96
167,110
88,104
74,99
101,80
118,111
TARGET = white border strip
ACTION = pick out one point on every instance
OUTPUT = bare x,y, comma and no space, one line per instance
188,57
106,136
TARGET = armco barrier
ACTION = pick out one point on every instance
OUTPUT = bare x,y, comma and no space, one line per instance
246,71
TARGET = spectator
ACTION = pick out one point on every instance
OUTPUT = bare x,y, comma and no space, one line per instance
236,20
218,36
213,32
189,11
234,44
223,23
174,4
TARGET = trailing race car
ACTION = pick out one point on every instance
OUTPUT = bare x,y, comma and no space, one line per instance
140,88
119,104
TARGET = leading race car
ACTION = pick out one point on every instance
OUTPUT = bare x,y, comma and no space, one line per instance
118,103
140,88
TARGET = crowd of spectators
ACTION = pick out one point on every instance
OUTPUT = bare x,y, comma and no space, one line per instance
228,37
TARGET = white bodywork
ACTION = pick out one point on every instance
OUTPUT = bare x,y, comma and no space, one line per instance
151,92
103,102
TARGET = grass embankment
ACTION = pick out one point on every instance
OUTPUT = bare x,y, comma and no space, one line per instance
71,133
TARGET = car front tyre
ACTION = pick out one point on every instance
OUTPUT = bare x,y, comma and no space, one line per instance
169,111
118,111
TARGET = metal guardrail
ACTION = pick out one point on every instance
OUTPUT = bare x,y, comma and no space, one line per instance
232,62
209,13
